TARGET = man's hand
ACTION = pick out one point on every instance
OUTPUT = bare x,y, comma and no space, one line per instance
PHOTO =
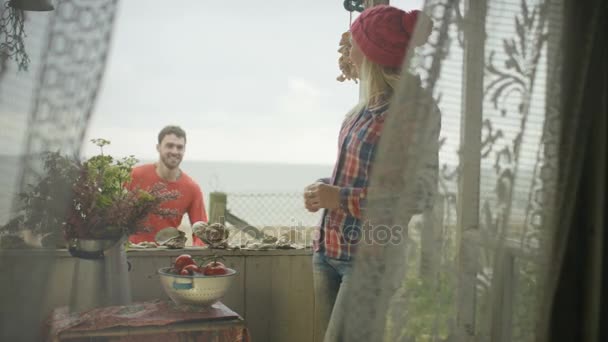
320,195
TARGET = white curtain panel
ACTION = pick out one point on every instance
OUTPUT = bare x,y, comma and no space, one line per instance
470,266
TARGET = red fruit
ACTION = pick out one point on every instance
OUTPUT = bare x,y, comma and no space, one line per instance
183,261
190,269
215,268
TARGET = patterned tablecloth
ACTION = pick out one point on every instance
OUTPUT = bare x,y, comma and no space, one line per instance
149,321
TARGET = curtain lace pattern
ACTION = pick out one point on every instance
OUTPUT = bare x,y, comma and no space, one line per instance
74,59
45,108
471,267
456,237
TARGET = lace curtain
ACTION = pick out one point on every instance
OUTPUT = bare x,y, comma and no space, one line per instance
472,268
46,108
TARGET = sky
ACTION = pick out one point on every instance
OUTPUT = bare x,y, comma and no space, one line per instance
249,81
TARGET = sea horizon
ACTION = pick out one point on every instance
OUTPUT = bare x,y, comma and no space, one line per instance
262,193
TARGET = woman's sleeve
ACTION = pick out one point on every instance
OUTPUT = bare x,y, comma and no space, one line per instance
353,200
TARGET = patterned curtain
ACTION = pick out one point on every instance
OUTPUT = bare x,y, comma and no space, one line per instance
472,268
477,264
46,108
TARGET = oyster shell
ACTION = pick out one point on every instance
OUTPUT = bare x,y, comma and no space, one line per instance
171,238
198,228
215,235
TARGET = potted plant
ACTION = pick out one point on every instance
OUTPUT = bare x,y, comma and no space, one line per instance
90,205
86,200
43,206
103,207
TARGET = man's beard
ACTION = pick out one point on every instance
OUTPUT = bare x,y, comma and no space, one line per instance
168,164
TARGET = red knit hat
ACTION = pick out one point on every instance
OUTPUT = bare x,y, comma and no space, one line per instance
383,33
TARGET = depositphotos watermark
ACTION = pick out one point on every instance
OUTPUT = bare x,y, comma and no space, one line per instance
373,234
301,234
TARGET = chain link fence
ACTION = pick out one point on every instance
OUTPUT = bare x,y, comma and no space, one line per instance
280,209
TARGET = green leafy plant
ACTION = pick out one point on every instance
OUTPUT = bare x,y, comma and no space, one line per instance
43,206
431,308
424,307
89,199
104,207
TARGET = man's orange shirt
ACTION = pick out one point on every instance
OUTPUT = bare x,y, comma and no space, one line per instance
190,200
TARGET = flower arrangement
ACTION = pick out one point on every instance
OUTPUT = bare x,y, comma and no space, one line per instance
90,199
104,207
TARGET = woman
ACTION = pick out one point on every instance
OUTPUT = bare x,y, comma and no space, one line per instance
380,38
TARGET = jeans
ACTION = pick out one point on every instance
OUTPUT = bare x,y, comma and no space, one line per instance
331,281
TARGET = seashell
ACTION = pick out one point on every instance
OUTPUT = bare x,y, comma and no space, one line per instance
176,243
171,238
198,228
144,244
269,239
215,235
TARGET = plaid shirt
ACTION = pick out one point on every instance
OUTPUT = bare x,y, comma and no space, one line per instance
359,136
357,143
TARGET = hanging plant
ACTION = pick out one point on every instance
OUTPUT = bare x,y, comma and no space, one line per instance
349,72
347,68
12,35
12,32
354,5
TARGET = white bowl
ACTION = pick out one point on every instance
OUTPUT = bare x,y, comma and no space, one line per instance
196,289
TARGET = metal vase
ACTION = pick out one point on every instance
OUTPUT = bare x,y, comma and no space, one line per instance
100,276
32,5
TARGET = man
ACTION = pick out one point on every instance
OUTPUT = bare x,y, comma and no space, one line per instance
171,147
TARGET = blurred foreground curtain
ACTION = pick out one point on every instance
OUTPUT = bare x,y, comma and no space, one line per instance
575,301
46,108
521,87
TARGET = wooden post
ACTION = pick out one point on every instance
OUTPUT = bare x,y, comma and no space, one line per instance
470,162
217,207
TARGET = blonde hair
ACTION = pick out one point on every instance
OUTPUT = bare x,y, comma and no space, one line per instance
376,80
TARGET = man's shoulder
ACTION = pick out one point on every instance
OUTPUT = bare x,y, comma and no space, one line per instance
188,181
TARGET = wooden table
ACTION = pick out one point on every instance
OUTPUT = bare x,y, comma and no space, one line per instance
149,322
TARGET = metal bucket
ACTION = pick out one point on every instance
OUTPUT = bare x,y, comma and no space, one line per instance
100,275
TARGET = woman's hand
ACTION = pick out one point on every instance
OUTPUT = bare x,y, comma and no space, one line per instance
320,195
